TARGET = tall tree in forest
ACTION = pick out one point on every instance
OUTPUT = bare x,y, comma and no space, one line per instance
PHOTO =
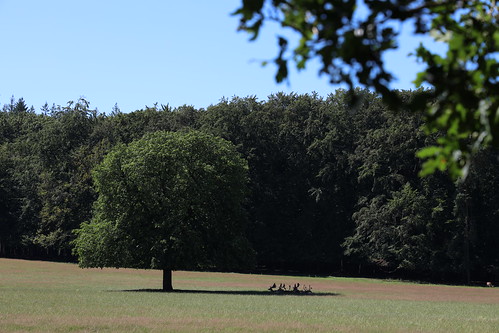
9,203
395,233
399,222
168,201
300,195
65,188
476,213
19,128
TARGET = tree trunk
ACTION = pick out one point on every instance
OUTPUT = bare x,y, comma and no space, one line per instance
463,203
467,263
167,280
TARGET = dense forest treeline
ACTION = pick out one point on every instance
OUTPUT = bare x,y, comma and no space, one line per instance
334,188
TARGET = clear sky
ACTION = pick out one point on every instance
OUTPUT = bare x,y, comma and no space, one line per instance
136,53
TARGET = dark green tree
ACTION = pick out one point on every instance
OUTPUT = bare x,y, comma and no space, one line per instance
19,134
9,204
394,233
394,205
168,201
476,213
126,127
301,197
63,148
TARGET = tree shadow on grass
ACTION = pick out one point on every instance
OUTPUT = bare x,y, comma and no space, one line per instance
232,292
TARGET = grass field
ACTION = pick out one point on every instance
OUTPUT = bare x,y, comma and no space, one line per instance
55,297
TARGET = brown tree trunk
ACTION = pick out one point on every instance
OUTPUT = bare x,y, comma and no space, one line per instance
167,280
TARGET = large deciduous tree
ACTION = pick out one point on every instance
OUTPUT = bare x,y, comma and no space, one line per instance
168,201
350,38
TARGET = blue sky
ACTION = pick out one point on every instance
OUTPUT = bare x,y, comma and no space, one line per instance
136,53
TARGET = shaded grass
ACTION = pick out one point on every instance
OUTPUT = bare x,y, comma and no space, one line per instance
55,297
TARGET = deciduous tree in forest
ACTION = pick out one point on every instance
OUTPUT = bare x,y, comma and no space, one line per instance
168,201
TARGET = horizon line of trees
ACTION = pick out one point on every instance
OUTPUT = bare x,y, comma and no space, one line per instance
333,187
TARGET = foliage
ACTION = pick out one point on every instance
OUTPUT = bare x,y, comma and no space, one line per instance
168,201
394,232
291,224
350,40
8,206
327,183
65,154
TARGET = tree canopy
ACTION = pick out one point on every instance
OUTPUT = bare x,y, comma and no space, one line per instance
168,201
350,37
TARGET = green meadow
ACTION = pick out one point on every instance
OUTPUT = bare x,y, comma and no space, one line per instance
56,297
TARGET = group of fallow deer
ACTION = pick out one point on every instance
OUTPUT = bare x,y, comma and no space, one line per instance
295,289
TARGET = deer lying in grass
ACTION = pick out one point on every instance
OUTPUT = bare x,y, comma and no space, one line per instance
295,289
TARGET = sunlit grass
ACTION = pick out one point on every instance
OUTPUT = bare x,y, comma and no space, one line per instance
54,297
